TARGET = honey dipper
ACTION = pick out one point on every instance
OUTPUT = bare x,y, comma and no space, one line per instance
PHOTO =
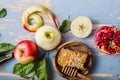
72,72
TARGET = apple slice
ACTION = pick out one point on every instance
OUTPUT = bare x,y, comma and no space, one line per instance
32,14
81,26
47,37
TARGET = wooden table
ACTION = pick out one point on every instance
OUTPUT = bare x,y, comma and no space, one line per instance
101,12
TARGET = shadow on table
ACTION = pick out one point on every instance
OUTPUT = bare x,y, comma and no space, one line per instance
94,64
50,70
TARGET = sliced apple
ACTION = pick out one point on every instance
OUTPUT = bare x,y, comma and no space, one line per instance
47,37
32,14
81,26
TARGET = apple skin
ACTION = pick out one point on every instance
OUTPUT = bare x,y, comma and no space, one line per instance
29,27
32,13
25,51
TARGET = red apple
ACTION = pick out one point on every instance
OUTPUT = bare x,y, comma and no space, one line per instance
25,51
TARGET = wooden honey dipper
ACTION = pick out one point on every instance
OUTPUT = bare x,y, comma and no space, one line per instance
72,72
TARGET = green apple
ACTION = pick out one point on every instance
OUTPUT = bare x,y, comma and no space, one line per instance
47,37
32,14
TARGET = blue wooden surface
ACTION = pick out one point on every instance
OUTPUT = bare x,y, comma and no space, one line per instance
101,12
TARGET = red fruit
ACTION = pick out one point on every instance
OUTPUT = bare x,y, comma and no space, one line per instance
107,39
25,51
116,38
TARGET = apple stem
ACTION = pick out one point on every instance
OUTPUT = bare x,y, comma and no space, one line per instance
22,51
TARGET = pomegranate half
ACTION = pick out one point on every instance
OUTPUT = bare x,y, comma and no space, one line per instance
107,39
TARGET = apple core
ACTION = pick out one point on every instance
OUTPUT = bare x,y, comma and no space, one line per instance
49,35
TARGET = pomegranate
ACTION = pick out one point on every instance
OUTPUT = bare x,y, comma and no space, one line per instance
107,39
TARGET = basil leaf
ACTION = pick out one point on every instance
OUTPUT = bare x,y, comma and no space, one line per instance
40,70
4,47
65,27
3,12
23,69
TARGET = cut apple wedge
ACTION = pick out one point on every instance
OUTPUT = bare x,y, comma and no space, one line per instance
81,26
32,13
47,37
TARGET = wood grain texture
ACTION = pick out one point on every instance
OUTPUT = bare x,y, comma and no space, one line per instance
101,12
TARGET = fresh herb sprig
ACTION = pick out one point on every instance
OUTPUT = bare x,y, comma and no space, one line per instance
38,67
5,47
40,70
65,27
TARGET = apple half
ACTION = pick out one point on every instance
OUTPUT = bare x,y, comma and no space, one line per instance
81,26
47,37
31,13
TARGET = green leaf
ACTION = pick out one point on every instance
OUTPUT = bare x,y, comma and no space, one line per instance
3,12
23,69
40,70
4,47
65,27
